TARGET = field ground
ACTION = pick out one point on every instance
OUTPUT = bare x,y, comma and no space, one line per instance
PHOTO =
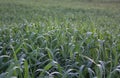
59,38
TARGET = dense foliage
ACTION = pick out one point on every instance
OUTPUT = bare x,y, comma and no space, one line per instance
39,40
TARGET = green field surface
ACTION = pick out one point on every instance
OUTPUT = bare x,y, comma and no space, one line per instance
59,39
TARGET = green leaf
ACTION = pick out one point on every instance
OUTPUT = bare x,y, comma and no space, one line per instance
26,70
